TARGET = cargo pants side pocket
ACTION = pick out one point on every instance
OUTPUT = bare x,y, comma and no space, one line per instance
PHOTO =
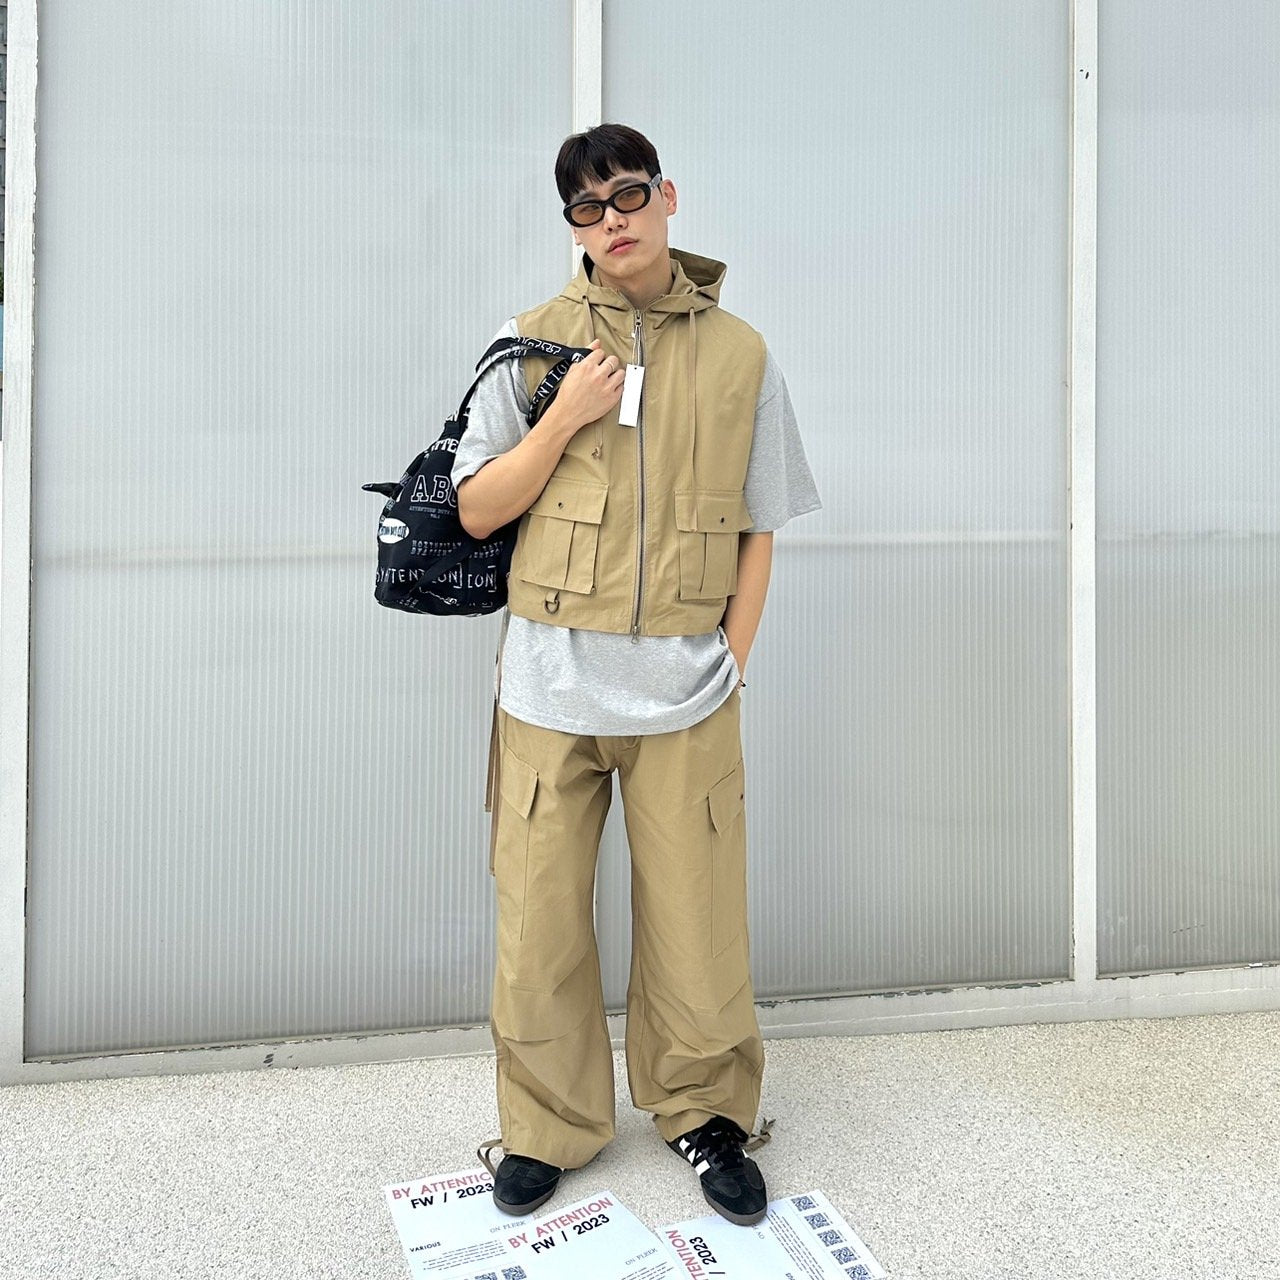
517,786
726,806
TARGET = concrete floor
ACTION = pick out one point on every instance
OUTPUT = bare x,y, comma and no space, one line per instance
1135,1150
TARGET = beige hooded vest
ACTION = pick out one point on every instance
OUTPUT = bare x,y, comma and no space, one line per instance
637,528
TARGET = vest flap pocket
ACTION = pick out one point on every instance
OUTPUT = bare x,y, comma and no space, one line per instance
558,542
568,499
712,511
709,523
517,783
726,799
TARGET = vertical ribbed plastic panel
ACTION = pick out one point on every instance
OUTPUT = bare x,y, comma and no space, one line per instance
887,183
1188,507
272,240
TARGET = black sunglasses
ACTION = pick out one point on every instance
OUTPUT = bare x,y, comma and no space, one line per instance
586,213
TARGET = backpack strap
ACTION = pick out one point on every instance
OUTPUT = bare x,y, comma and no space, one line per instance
503,349
547,389
512,348
437,569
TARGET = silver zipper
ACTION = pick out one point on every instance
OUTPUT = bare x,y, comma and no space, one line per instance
638,358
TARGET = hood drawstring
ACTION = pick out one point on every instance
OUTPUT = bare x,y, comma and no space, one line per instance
693,399
598,451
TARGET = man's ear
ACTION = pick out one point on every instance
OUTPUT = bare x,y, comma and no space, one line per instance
669,191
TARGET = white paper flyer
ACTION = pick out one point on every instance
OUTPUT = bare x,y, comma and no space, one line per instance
450,1229
801,1237
449,1221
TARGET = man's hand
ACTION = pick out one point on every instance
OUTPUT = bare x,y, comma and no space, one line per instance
507,486
592,386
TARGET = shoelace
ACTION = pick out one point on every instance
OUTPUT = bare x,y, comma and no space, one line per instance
722,1143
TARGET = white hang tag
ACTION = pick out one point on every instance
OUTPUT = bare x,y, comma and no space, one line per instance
629,412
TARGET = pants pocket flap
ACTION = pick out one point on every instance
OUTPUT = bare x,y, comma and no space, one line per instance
727,797
518,782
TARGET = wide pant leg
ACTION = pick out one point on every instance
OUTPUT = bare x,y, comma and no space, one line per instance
693,1042
554,1060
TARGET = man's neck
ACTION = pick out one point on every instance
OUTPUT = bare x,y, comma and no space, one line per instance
644,289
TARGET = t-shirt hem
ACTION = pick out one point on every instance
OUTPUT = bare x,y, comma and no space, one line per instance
617,728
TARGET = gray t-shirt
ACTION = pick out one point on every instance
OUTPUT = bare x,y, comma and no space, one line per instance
601,682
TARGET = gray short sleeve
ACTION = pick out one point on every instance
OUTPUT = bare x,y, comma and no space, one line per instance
496,416
779,483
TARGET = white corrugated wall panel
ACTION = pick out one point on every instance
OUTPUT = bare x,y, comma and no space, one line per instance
271,242
888,184
1188,506
267,256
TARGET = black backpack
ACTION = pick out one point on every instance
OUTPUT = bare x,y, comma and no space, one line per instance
427,562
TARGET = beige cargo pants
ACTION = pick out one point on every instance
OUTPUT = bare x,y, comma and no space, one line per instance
693,1046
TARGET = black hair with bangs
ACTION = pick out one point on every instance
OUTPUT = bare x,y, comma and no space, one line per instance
599,153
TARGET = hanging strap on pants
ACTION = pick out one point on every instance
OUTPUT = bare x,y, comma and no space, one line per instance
493,778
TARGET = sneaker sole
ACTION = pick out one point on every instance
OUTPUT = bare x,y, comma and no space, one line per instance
740,1219
518,1210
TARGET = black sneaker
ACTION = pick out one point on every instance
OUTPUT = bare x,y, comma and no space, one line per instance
521,1184
731,1183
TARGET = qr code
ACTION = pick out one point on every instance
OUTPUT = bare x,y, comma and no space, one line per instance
514,1273
816,1220
803,1202
844,1255
858,1273
830,1237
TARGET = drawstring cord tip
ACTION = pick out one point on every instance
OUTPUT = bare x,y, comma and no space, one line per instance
759,1139
482,1154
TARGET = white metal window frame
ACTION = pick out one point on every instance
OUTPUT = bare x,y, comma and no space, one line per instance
1084,995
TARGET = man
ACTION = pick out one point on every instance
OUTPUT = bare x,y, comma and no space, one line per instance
648,493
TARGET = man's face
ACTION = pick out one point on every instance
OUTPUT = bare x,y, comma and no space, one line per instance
627,247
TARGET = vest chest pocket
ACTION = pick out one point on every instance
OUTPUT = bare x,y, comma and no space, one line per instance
562,535
708,522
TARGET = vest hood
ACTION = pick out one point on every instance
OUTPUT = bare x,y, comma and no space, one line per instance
695,286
